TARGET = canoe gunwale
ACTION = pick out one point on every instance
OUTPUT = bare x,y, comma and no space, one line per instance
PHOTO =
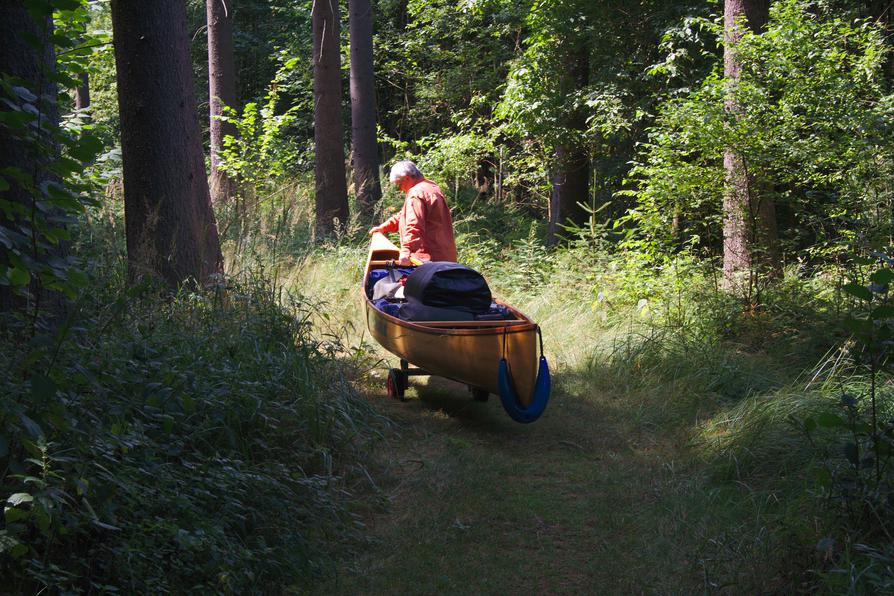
526,326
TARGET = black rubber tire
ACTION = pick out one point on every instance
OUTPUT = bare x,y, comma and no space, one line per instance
479,394
397,383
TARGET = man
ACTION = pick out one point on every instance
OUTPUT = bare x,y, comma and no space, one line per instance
424,223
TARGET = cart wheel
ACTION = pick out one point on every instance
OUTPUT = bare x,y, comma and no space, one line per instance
479,394
396,383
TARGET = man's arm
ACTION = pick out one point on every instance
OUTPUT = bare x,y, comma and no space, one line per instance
392,224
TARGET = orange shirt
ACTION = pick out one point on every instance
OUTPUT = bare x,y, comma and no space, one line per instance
425,225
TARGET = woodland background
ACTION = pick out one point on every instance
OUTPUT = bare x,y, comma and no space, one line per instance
693,199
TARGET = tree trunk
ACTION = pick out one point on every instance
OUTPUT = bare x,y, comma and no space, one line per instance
571,173
34,67
484,176
363,108
170,226
750,239
572,183
82,93
329,169
221,89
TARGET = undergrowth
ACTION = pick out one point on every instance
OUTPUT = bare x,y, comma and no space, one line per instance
209,441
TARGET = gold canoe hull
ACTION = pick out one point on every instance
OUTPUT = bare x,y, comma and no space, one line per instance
468,352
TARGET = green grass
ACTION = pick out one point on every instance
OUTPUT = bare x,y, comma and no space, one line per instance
622,486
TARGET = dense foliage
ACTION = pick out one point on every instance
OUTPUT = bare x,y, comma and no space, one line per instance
201,443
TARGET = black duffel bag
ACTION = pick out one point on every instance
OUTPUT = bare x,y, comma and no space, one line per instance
445,291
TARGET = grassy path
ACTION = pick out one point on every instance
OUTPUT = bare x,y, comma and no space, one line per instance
604,494
581,501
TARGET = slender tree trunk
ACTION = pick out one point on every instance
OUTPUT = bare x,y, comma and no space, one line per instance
571,172
484,176
170,226
35,67
82,93
329,170
363,107
221,89
750,239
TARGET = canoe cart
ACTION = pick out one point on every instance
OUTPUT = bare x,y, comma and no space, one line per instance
499,357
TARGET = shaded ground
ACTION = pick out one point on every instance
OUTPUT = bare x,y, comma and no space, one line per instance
585,500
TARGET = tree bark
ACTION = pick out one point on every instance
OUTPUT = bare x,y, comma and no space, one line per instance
329,170
34,69
363,108
484,176
571,174
82,93
221,89
750,238
170,228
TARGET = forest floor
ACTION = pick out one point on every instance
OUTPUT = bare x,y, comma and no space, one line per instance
584,500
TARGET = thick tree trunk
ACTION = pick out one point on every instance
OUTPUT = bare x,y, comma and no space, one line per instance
750,240
331,187
20,59
170,226
221,89
363,108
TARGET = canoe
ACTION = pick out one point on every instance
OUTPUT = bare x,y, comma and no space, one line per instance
499,357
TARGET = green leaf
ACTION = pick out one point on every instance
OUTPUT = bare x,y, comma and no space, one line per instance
87,148
4,185
32,428
42,388
858,291
830,420
16,120
6,541
39,8
884,311
823,476
882,276
106,526
25,94
860,327
66,4
13,514
16,499
44,521
18,277
18,551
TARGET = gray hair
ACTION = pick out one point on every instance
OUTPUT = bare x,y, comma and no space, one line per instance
404,169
